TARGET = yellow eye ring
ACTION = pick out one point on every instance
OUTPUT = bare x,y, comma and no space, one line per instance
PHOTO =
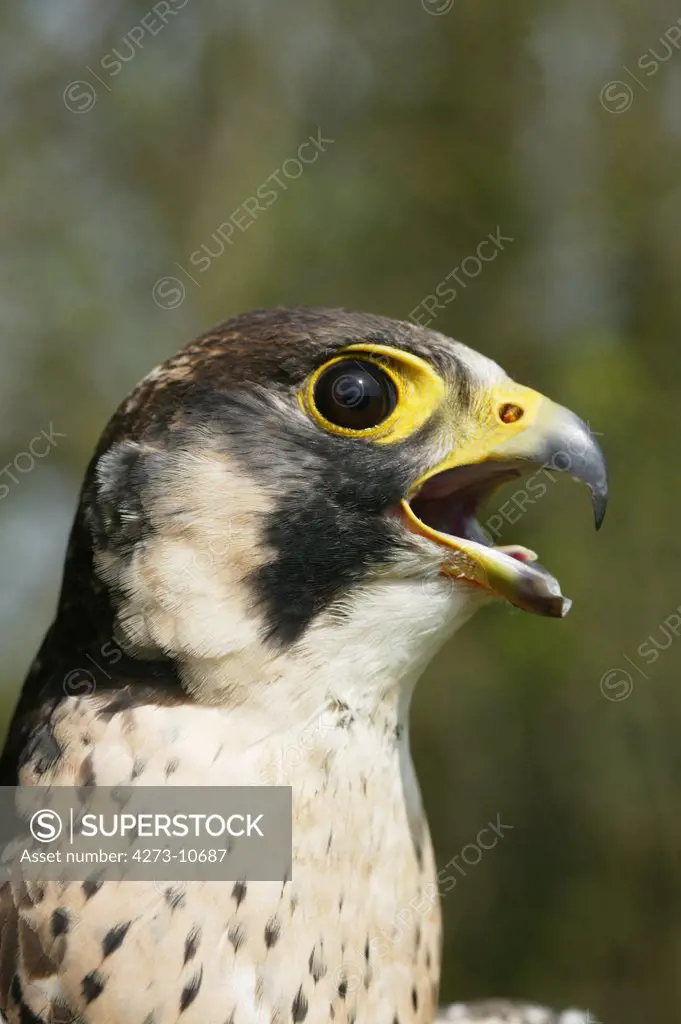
419,392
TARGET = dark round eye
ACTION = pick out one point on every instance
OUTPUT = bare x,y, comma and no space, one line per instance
354,394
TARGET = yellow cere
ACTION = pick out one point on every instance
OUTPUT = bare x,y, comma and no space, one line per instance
490,432
420,393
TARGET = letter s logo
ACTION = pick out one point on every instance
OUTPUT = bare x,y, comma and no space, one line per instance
45,825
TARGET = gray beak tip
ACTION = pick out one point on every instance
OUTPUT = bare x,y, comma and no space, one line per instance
587,465
599,501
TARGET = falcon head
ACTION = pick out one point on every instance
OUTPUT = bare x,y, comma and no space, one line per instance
298,490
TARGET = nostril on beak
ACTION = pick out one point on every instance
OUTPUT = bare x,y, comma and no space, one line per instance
510,413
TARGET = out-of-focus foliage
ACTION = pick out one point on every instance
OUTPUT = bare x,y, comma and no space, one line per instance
449,120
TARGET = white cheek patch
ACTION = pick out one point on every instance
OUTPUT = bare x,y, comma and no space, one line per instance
181,590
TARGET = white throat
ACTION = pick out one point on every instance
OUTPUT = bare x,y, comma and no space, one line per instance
364,654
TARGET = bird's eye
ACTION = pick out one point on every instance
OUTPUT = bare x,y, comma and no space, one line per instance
354,394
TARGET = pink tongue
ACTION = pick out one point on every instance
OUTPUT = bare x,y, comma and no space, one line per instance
518,552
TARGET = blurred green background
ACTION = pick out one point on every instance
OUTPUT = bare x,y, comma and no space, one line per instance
126,145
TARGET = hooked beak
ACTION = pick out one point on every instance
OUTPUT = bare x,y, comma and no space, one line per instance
518,430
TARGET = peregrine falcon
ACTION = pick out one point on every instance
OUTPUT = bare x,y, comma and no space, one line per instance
276,532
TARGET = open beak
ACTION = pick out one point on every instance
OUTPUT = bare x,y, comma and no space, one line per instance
518,431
